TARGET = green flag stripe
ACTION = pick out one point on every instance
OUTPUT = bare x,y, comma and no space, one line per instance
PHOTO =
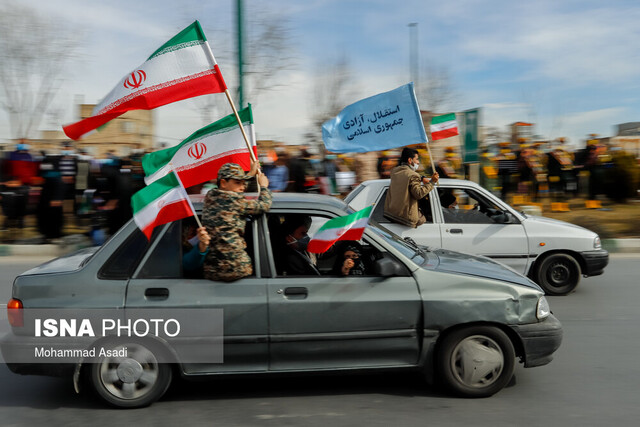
192,35
224,125
343,221
153,191
154,161
443,118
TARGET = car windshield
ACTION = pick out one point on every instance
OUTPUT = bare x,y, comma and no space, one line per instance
407,248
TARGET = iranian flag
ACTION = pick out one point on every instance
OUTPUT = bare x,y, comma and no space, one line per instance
163,201
350,227
182,68
444,126
198,158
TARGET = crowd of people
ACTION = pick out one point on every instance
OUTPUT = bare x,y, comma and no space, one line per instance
71,188
66,189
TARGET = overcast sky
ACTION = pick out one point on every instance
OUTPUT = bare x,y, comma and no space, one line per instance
572,67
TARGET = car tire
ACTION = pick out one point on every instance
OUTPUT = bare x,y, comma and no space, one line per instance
476,362
558,274
134,381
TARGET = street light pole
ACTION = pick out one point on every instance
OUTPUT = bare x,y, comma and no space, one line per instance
240,54
413,53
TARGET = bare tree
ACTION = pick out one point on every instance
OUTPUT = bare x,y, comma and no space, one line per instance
334,88
436,92
33,51
269,53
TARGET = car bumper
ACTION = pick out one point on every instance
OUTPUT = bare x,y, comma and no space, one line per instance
19,355
595,262
540,340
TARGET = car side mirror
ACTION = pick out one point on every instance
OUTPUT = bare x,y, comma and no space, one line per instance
388,267
504,218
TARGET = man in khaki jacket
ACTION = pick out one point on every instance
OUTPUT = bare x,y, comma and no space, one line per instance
406,189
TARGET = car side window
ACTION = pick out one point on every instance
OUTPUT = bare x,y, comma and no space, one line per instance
378,212
465,206
122,263
164,262
290,260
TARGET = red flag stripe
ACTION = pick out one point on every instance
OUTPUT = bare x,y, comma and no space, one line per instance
320,246
170,212
150,99
444,133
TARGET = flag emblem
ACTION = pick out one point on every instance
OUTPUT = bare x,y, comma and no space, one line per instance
197,150
135,79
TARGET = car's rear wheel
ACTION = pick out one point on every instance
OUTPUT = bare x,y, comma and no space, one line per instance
476,361
558,274
132,381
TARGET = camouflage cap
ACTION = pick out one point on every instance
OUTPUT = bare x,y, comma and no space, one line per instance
232,171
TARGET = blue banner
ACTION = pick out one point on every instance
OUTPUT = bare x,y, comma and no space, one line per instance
387,120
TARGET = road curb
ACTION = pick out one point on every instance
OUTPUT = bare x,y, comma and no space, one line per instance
621,245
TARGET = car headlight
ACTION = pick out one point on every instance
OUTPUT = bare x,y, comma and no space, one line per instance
597,244
543,310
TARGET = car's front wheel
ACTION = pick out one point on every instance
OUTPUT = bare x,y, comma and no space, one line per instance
133,380
476,361
558,274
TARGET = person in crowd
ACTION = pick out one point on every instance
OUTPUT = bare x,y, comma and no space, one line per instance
507,168
366,166
224,216
406,189
49,211
279,174
449,165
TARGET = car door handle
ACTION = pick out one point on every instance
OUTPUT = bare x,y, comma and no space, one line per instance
455,231
296,292
156,293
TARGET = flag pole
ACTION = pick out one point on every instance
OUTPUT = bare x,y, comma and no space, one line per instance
193,211
433,166
235,112
233,107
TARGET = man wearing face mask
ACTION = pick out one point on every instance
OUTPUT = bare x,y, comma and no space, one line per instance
407,188
296,260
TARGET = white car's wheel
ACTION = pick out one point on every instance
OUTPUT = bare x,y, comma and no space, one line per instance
476,361
133,381
558,274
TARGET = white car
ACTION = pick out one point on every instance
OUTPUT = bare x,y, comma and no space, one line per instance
553,253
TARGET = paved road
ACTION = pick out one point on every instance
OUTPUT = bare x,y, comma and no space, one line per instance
593,381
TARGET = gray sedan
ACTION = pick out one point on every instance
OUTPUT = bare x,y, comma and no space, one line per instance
462,319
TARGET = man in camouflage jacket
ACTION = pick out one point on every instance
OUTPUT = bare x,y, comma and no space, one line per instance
224,216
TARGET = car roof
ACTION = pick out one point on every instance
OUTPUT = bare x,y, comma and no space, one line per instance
291,200
444,181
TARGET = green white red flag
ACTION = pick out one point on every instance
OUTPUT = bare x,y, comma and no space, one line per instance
160,202
350,227
198,158
444,126
182,68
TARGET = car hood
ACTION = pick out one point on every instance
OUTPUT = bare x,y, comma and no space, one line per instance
550,221
475,265
66,263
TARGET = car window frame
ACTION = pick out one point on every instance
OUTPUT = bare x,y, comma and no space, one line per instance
370,237
481,191
102,272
